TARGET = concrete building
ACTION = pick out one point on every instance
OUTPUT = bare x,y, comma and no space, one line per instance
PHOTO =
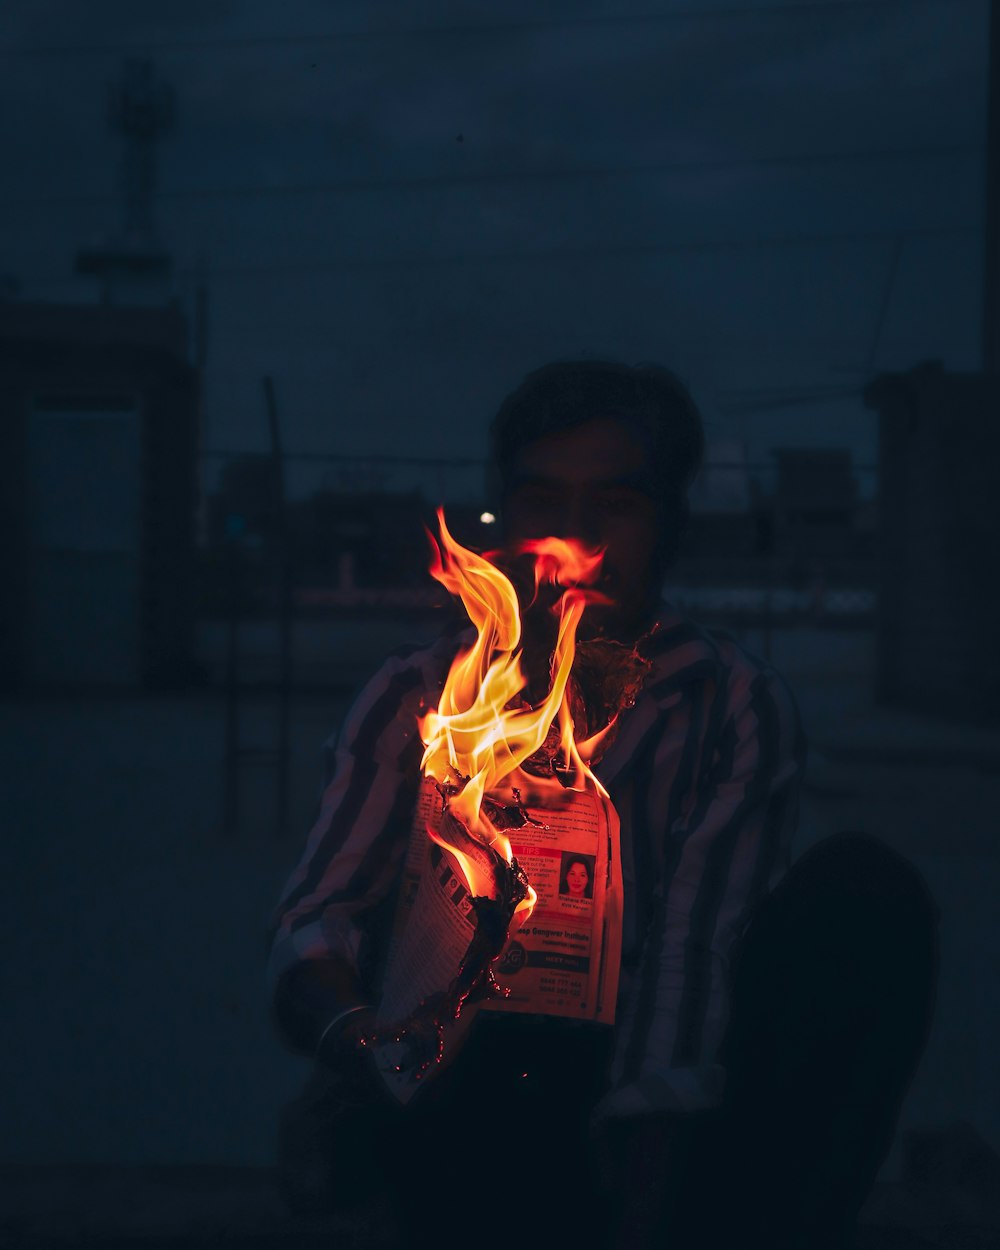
939,533
98,448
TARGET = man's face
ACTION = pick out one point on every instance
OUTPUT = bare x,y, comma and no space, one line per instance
588,483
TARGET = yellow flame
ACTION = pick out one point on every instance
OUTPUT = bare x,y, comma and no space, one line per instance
475,739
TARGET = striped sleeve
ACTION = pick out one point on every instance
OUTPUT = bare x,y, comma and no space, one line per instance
723,850
356,845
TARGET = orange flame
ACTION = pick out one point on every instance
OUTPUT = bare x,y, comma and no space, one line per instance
475,739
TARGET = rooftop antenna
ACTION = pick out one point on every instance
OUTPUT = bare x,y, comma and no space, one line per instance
142,111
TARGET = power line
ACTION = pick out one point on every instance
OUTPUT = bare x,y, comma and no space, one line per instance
446,462
491,29
346,264
583,174
546,255
331,457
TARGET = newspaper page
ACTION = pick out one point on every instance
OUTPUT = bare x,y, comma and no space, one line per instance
562,961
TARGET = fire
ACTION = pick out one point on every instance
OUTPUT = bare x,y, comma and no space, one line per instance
483,729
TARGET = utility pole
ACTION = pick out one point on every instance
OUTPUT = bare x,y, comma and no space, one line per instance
284,599
991,269
236,752
201,328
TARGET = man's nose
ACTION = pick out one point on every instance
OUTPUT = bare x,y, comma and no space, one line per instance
578,520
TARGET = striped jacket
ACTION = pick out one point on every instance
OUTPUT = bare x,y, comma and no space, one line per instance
705,775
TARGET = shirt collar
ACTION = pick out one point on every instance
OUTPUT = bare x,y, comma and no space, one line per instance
683,652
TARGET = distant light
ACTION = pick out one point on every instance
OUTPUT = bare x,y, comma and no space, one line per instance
487,518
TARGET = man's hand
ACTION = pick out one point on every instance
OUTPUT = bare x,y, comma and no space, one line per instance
344,1051
345,1035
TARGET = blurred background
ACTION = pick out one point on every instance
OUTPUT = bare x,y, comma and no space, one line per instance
265,275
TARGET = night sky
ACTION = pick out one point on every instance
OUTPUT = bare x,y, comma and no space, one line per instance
402,208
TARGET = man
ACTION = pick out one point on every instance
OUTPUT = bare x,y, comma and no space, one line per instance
689,1111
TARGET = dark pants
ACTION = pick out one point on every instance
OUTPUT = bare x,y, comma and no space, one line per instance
833,993
832,997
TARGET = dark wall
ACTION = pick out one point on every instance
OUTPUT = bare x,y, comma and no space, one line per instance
939,603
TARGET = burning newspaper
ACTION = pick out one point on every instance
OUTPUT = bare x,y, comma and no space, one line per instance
513,867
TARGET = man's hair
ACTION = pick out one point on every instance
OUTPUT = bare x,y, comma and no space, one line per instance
647,398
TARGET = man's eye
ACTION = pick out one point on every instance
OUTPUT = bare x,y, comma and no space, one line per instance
621,503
